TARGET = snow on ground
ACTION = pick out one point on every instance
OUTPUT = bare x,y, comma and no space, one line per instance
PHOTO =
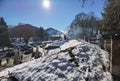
58,65
58,43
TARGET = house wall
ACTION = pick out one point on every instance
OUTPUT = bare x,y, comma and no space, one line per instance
26,58
4,62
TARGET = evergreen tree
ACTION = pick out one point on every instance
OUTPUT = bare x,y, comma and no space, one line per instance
111,15
42,34
4,38
3,25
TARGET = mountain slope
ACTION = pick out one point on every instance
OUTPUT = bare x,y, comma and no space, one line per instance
23,30
73,61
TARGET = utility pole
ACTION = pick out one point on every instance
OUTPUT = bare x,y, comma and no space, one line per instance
16,56
111,53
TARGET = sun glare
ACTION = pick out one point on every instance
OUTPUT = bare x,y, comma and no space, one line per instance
46,4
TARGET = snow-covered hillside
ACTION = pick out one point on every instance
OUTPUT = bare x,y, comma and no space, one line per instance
73,61
52,31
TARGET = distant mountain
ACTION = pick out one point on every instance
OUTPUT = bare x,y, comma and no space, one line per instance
27,30
52,31
23,30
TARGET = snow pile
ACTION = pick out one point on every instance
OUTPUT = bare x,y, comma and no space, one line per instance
69,44
73,61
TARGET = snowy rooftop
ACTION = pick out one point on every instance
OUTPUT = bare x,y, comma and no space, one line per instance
86,62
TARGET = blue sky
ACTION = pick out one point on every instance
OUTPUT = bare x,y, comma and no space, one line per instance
58,16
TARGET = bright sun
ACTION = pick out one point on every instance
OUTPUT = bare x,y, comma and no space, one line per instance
46,3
